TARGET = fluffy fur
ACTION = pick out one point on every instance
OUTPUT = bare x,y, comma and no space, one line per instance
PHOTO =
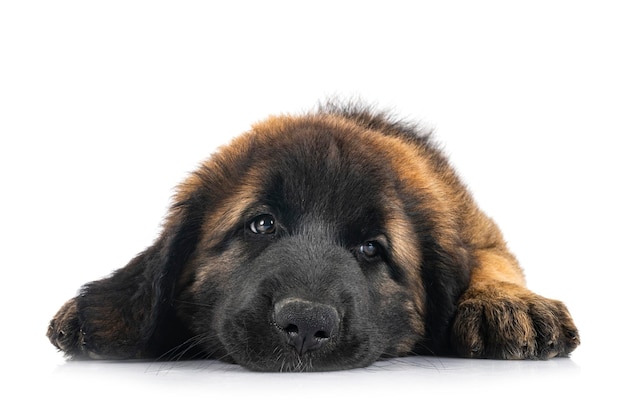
321,241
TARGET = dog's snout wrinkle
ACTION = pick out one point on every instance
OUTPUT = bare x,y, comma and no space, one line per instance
305,325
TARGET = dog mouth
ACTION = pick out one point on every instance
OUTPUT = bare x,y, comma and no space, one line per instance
298,335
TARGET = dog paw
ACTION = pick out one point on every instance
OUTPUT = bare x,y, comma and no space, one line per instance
65,331
506,321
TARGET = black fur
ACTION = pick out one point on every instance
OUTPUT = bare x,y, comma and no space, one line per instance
328,268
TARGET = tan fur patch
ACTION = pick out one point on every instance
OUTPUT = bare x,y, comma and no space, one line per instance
495,265
405,250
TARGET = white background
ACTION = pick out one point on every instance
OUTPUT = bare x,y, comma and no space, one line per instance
105,106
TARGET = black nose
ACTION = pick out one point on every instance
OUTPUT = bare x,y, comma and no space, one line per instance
305,325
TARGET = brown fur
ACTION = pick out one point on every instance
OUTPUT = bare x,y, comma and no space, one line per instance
447,281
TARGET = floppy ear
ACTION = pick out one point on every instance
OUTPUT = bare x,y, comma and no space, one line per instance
129,314
445,273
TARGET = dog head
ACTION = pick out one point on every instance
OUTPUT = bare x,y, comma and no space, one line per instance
317,251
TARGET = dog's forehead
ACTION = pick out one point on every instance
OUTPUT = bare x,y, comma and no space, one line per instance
324,147
321,166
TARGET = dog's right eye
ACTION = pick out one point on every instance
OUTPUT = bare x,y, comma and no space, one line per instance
265,224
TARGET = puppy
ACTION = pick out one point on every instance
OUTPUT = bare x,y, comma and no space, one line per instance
317,242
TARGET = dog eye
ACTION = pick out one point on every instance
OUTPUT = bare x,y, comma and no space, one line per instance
369,249
264,224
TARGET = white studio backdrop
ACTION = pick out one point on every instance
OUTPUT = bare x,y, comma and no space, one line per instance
106,106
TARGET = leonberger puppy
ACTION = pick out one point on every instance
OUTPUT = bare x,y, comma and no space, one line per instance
321,241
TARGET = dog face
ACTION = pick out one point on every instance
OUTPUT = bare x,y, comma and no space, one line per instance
309,260
319,242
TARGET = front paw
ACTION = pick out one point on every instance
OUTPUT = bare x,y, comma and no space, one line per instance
65,331
506,321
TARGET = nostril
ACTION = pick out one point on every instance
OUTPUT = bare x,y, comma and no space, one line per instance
291,328
321,335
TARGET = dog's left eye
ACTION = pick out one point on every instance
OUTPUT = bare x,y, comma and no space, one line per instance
369,249
264,224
